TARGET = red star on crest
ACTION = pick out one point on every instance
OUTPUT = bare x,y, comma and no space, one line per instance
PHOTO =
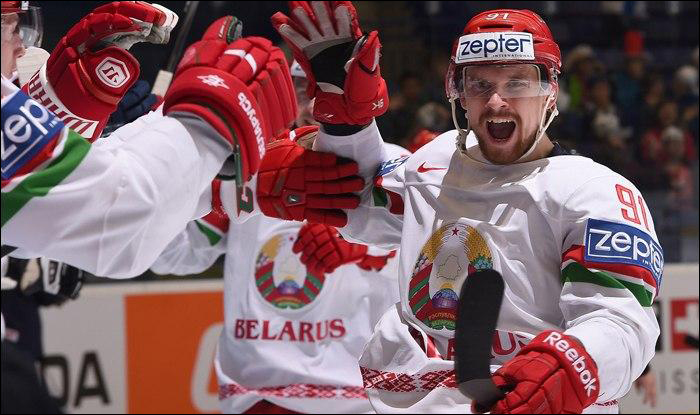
455,231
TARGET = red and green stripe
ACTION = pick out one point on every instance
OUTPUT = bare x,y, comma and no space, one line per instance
637,280
211,232
19,191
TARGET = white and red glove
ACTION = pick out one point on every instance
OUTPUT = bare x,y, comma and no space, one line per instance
553,374
342,64
90,69
295,183
243,89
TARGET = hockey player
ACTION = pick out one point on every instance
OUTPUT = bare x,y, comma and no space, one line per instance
573,240
111,207
292,333
13,28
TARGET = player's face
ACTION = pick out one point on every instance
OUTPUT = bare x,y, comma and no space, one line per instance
504,105
12,47
305,106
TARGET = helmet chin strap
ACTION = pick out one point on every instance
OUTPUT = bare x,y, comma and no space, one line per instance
541,129
462,133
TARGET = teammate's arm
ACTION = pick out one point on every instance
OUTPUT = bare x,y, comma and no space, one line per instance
612,267
196,248
110,209
296,183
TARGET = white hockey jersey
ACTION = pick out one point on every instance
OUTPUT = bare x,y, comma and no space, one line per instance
573,240
108,208
290,337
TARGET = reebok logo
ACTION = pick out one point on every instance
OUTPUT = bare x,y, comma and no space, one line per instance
586,378
247,107
495,46
423,169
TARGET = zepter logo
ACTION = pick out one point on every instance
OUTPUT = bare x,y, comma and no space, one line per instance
281,278
452,253
613,242
113,72
495,46
28,130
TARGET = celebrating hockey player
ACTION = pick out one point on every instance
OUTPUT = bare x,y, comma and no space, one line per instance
111,207
292,334
574,240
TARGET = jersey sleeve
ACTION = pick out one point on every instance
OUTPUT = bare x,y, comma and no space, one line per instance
111,207
196,248
379,218
611,272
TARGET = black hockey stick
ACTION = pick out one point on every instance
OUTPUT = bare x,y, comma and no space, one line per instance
477,314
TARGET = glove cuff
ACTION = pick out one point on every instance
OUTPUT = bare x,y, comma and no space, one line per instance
207,92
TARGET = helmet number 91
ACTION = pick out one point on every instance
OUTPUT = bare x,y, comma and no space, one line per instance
493,16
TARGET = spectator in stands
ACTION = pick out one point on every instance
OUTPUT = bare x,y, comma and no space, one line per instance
396,124
678,175
653,152
434,117
628,89
654,92
601,119
685,92
435,83
431,117
581,65
611,147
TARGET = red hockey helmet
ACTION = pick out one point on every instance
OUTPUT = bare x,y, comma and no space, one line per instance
504,36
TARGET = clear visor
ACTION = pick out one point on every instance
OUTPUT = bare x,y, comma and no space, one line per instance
508,81
27,24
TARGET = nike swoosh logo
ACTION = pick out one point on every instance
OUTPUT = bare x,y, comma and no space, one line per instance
423,169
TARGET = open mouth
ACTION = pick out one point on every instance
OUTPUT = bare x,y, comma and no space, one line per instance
500,129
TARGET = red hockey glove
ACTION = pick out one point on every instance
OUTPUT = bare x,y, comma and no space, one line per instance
341,64
553,374
323,249
295,183
218,216
242,89
90,69
375,263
